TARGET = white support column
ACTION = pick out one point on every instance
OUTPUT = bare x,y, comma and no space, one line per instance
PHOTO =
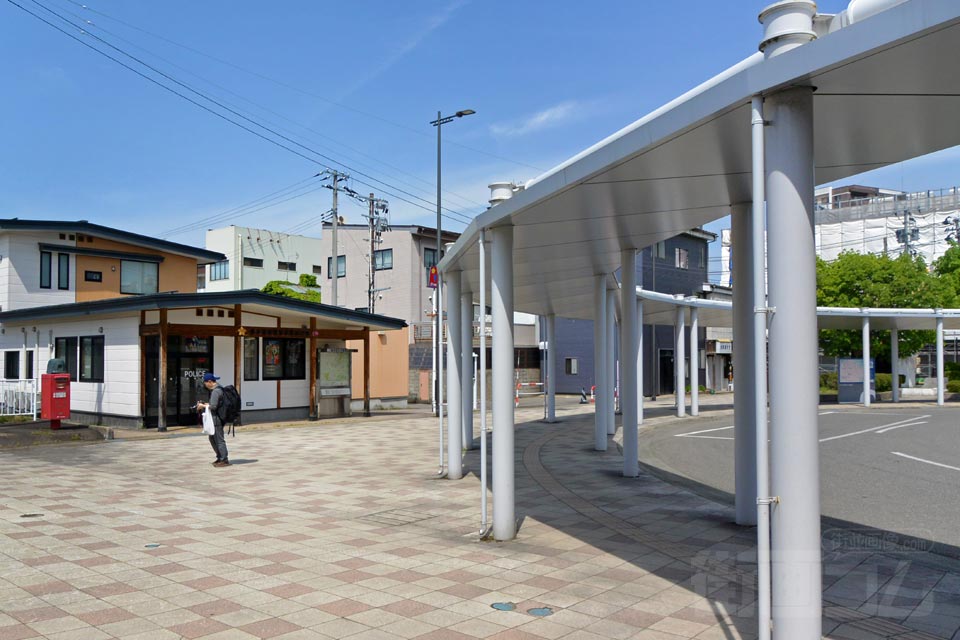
895,363
794,389
501,298
451,287
600,364
694,362
865,328
679,360
940,371
466,368
483,382
628,361
639,361
744,366
551,367
610,410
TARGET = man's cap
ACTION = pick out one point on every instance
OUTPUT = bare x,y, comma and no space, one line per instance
209,377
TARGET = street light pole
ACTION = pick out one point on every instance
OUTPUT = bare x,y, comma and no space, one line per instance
438,325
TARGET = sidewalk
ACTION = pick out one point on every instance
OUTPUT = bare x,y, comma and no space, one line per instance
342,530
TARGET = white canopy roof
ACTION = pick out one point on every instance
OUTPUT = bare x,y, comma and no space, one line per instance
661,308
886,90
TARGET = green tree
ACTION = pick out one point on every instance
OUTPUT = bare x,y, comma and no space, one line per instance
864,280
947,268
283,288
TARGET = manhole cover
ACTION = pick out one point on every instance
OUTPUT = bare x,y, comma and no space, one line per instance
504,606
540,611
31,515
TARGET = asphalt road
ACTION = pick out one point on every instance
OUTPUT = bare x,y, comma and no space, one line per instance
896,469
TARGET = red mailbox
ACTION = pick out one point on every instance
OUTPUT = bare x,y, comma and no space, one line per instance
55,398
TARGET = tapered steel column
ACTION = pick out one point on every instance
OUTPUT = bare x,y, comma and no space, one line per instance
895,363
680,360
639,361
600,364
694,362
628,360
744,364
501,298
454,374
610,410
551,368
940,371
865,328
794,389
466,368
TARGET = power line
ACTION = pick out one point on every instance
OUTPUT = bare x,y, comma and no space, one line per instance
295,88
389,188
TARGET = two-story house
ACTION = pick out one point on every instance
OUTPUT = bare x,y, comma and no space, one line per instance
123,312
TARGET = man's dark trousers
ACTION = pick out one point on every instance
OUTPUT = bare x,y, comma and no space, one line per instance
217,440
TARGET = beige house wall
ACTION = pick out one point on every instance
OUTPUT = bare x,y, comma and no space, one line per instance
389,364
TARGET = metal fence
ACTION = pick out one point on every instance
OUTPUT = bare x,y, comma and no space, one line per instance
19,398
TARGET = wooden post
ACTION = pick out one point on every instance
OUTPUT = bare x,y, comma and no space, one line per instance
366,373
237,349
162,400
143,369
313,413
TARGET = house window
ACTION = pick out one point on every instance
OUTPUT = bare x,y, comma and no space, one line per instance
703,257
91,359
201,277
46,268
93,276
283,359
341,266
681,260
362,309
139,277
383,259
253,262
571,366
66,349
251,359
660,250
63,270
317,270
286,266
29,375
220,270
430,257
11,365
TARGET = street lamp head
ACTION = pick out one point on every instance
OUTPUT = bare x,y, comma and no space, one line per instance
465,112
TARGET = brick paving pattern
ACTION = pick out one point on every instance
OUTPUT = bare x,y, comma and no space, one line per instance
342,530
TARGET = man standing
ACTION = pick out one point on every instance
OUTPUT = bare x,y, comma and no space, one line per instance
217,441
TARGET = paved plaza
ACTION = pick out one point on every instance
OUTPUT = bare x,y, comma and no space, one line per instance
341,529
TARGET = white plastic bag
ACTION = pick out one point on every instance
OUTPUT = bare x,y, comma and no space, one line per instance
208,427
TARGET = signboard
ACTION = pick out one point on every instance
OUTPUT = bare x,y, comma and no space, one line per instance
333,375
850,381
432,276
272,363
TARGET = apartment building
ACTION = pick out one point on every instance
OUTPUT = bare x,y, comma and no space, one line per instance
254,257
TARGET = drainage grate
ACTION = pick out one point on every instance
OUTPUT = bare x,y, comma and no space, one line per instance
152,545
397,517
31,515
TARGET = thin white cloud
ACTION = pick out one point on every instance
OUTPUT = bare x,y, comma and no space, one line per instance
404,48
551,117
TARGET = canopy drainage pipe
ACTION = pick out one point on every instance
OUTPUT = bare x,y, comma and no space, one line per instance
758,244
484,523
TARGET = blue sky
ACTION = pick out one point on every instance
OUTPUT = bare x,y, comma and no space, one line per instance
358,82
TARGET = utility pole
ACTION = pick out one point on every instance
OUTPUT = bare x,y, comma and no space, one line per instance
335,178
371,290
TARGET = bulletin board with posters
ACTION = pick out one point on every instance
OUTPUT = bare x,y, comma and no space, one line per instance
334,372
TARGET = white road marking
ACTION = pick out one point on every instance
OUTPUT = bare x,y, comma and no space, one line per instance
883,426
912,424
826,413
936,464
694,433
710,437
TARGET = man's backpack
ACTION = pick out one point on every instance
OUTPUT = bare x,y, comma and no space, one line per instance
229,409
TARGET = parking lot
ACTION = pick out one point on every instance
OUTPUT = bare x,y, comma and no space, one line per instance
895,468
